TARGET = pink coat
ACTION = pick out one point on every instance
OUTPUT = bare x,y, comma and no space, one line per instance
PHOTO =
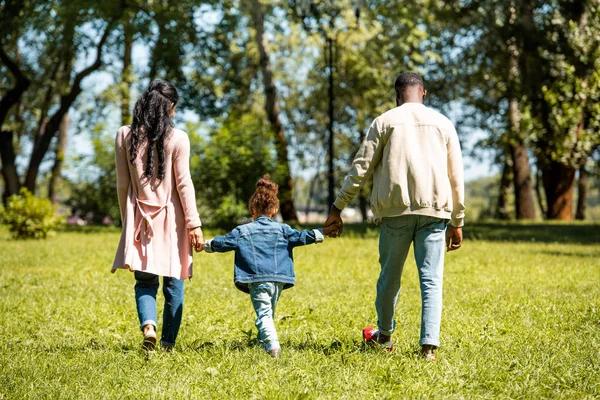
156,214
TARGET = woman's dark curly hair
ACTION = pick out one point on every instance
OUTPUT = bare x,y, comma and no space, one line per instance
264,200
152,122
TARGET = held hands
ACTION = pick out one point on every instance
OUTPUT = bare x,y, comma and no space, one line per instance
196,239
330,229
454,238
334,226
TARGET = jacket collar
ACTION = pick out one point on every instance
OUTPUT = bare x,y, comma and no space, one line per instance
263,218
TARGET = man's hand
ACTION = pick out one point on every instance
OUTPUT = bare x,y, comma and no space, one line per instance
328,230
334,223
454,238
196,239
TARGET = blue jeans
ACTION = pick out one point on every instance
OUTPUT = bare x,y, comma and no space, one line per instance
146,286
428,235
264,296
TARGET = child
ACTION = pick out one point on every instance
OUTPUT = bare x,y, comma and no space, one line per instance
264,263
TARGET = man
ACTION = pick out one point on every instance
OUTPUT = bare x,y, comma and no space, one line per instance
414,156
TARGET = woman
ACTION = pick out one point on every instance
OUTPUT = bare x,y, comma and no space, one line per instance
158,210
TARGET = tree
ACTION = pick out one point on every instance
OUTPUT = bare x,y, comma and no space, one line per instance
226,167
52,65
59,159
561,49
286,189
371,46
480,46
10,29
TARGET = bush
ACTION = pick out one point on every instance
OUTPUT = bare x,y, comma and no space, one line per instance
29,217
225,168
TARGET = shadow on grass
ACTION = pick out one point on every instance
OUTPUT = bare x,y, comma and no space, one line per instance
534,232
335,347
577,254
583,233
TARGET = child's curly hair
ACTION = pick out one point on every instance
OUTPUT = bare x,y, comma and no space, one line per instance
264,200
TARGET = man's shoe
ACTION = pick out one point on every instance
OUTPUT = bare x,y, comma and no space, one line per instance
372,335
427,353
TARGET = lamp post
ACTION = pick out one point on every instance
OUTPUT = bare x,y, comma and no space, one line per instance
304,8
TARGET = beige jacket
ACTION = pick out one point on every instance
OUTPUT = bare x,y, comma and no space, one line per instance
414,156
156,215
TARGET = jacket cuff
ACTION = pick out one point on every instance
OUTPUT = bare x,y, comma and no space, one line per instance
319,237
340,204
194,223
457,222
208,246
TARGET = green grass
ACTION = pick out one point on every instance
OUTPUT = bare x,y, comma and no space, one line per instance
521,320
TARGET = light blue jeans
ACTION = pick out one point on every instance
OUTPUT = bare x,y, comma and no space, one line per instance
428,235
146,286
264,296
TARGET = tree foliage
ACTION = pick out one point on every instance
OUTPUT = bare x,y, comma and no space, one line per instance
524,72
226,167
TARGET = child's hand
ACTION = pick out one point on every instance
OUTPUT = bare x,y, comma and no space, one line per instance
331,228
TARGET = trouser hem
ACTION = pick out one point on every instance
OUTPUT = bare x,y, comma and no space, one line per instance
429,342
148,322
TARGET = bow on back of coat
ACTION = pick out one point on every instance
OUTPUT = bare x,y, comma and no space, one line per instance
144,230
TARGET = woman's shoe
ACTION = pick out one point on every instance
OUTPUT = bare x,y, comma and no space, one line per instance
149,342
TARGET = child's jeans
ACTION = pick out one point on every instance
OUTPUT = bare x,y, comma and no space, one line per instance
264,296
427,234
146,286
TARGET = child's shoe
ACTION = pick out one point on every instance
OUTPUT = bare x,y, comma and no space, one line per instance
371,335
149,338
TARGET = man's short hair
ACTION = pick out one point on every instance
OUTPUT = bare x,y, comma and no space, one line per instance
407,79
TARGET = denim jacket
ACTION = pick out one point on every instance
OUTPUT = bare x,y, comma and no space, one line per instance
263,251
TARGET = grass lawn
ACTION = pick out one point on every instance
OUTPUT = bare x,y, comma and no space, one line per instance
521,320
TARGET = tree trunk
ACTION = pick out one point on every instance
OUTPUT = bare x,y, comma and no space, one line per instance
581,194
286,189
538,192
12,96
9,169
558,182
505,181
61,145
524,204
311,193
126,73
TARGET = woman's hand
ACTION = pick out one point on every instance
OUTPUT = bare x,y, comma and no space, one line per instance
196,239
